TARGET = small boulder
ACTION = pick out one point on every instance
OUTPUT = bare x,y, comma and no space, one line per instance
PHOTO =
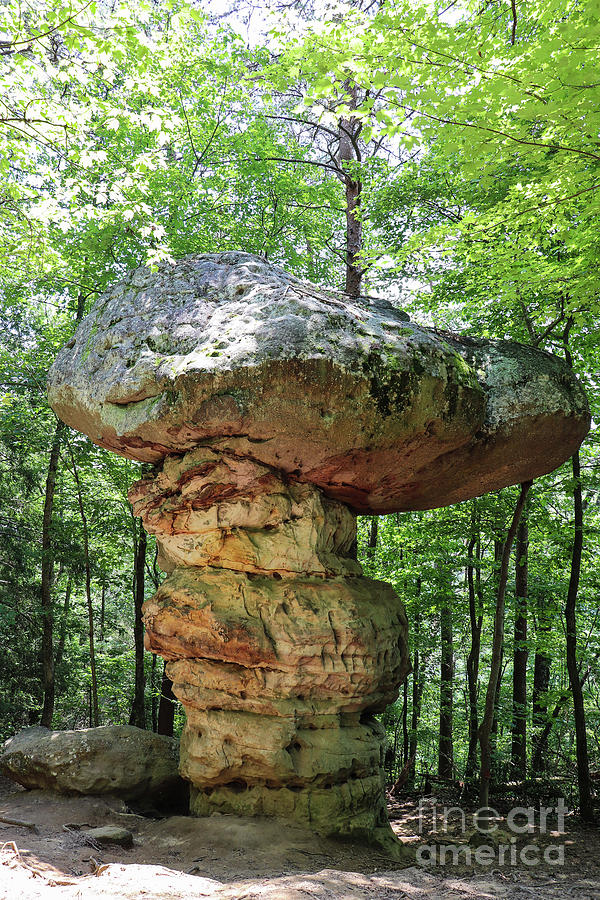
110,834
129,762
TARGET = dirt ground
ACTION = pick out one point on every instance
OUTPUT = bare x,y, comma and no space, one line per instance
180,858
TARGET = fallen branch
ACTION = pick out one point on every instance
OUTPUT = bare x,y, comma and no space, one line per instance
19,823
402,777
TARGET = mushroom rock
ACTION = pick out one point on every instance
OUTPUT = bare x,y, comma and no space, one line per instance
274,411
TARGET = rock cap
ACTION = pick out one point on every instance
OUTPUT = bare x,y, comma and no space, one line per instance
228,351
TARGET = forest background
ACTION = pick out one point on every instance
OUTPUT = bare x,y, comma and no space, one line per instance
445,155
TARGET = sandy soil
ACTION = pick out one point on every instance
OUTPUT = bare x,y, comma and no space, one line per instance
179,858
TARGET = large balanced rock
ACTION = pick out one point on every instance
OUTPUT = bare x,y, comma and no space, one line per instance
114,759
346,394
274,411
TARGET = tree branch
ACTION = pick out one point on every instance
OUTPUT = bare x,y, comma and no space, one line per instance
43,34
497,131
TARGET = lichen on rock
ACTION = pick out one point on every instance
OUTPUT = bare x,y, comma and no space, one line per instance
274,411
230,351
123,760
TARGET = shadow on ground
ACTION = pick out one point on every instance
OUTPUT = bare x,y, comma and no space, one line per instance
180,858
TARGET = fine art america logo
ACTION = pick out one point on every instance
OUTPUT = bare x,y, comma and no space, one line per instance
483,842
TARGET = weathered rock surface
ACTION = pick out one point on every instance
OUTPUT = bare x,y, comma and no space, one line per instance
280,650
273,408
114,759
208,509
347,394
110,834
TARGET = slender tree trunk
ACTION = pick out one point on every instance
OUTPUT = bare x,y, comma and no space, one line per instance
518,755
47,579
354,239
417,693
446,753
373,533
166,707
391,753
405,724
496,719
94,710
102,611
539,700
476,621
154,704
60,648
485,729
48,656
498,549
349,129
586,806
138,711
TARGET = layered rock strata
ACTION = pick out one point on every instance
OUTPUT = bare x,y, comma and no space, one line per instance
275,410
279,649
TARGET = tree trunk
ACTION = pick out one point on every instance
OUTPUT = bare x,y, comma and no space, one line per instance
539,700
498,548
166,707
485,729
405,724
586,806
94,710
138,711
47,578
373,532
102,611
60,649
154,703
49,661
518,755
476,621
417,693
349,129
446,755
354,237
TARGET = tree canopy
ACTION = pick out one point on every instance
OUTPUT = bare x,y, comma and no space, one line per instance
445,156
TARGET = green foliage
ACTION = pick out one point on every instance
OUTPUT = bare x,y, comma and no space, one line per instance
141,135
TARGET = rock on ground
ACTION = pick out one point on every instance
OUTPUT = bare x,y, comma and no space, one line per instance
110,834
246,859
122,760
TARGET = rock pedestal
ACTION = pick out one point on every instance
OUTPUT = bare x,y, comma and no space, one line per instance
272,408
278,648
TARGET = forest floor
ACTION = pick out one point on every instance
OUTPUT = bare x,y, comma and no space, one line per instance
180,858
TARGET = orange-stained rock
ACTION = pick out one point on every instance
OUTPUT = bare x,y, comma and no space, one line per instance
230,351
278,648
207,509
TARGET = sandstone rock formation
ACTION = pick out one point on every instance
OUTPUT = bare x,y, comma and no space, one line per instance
274,411
123,760
230,351
281,651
